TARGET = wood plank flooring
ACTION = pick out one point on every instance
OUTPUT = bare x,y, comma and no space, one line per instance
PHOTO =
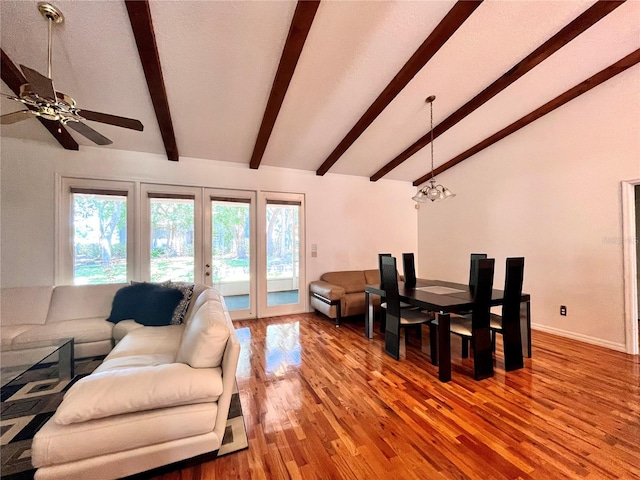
325,402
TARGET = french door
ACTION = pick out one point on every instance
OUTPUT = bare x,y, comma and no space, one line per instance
230,248
248,246
281,267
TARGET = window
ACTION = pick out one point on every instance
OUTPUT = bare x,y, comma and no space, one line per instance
97,247
172,239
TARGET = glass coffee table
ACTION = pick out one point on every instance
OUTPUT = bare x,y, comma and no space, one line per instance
23,357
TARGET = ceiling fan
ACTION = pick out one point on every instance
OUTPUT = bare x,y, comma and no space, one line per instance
42,100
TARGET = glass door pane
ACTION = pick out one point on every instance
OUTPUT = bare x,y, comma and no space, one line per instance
172,239
283,246
231,251
281,263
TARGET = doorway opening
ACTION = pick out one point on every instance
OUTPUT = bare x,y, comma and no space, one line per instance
631,258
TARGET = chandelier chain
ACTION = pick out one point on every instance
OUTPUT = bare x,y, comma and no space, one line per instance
431,110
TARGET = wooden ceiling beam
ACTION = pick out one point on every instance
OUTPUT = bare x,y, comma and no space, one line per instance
298,32
13,77
581,23
583,87
142,26
458,14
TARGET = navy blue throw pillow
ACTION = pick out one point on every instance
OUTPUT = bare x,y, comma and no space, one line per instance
157,309
126,301
146,303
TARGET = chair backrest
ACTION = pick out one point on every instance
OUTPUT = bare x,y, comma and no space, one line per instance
380,257
389,279
482,294
473,268
409,266
514,278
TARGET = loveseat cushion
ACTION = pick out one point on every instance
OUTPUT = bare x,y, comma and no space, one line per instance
83,330
352,281
372,277
205,337
118,392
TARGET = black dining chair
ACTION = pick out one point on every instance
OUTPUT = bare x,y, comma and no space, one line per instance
508,324
409,267
397,318
473,267
383,305
474,328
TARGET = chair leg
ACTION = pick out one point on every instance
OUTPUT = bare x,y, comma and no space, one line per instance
403,343
383,320
422,333
433,340
465,348
493,340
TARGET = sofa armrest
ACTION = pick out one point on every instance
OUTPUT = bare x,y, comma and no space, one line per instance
326,290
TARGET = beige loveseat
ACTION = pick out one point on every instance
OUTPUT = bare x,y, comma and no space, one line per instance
341,294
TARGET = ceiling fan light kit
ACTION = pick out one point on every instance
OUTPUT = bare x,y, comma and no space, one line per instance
432,192
42,100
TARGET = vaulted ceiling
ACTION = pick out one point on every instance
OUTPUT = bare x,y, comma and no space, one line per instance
327,86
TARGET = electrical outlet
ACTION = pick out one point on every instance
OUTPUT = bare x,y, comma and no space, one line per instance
563,310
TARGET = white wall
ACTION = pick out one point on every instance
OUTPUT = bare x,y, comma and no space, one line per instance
550,192
350,218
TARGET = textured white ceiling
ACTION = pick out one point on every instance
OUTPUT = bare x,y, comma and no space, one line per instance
219,59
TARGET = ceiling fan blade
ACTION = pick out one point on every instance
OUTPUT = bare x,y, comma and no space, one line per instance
112,119
89,132
15,117
40,84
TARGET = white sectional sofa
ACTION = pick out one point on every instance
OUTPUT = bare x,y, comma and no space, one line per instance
161,395
32,314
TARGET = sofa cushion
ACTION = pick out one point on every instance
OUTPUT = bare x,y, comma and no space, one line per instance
205,337
136,361
203,297
83,330
123,327
149,340
352,281
372,277
69,302
57,444
22,305
353,304
9,332
117,392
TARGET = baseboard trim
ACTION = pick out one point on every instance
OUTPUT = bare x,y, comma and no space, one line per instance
620,347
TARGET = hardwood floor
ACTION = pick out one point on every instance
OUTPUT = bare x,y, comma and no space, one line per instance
325,402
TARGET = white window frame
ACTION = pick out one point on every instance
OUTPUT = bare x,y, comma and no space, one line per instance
64,268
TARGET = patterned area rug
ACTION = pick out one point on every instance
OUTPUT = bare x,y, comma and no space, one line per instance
31,399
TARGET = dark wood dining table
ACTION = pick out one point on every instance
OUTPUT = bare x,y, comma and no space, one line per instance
446,298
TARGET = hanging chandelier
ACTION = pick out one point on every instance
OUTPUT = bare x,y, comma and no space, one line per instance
432,191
